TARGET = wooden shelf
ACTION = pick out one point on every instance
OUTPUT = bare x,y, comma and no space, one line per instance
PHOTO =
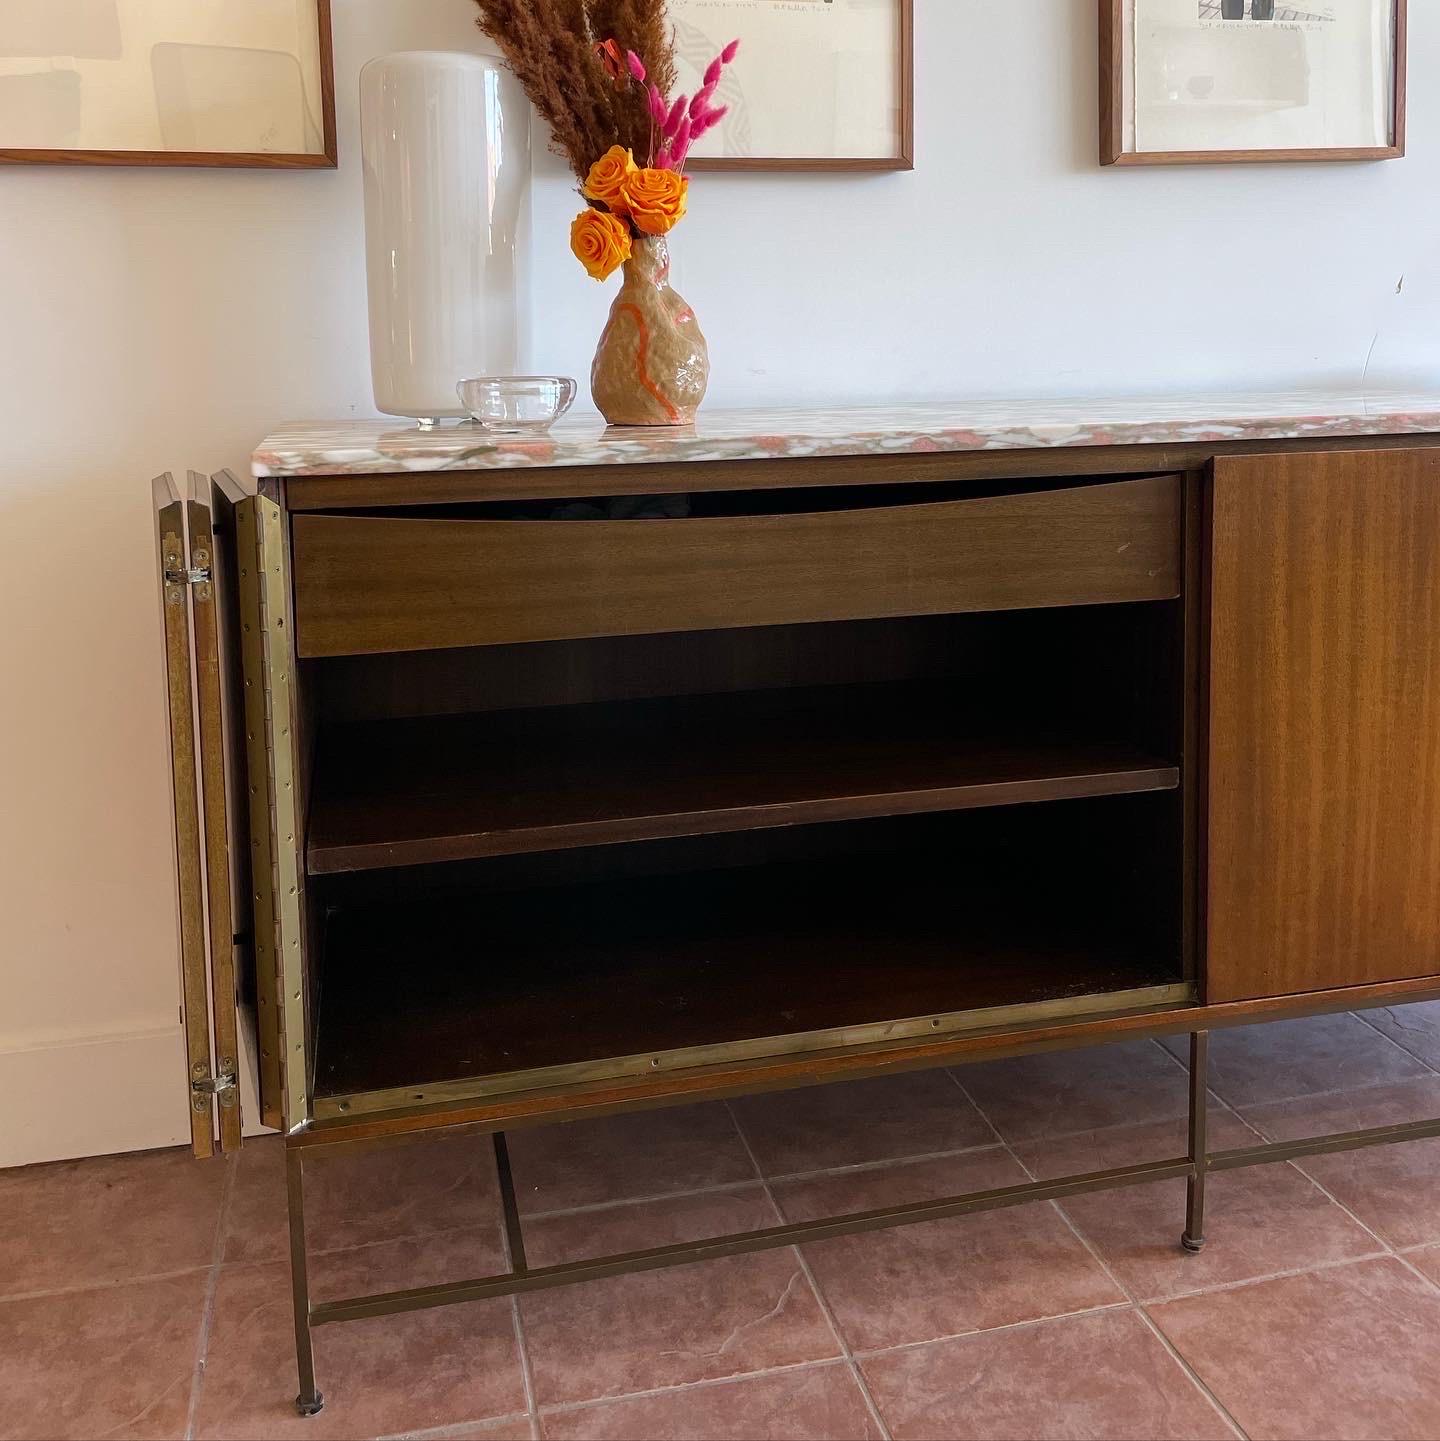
515,982
413,792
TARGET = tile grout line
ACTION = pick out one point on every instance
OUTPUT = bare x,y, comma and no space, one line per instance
522,1350
730,1187
820,1298
1219,1288
527,1375
207,1311
1317,1095
451,1428
1031,1323
80,1290
1391,1250
1135,1304
561,1408
1365,1017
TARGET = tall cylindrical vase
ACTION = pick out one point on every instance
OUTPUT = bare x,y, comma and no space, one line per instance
446,146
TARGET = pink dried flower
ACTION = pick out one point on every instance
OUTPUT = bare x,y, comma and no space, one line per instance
728,54
680,145
663,160
712,75
702,100
659,111
636,64
676,115
703,124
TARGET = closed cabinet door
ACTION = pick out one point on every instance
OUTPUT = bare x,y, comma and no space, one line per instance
1323,825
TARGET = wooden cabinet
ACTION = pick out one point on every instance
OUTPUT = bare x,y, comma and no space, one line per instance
552,811
1324,722
576,814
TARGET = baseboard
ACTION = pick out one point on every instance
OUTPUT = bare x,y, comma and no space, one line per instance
93,1097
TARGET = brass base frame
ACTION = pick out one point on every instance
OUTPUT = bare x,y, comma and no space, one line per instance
1195,1166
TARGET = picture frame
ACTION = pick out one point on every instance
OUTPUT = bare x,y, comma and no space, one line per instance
114,83
1289,30
777,123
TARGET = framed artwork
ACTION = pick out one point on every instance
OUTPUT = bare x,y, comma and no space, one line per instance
167,82
820,84
1217,81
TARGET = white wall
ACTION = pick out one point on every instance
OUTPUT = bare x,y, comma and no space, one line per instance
156,319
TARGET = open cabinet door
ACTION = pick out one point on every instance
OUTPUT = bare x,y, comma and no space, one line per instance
201,616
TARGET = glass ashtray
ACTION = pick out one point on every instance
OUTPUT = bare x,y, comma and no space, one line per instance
517,404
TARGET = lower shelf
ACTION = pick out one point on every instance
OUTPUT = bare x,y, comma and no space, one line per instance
444,997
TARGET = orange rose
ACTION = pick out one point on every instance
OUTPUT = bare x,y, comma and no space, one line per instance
656,200
601,242
606,181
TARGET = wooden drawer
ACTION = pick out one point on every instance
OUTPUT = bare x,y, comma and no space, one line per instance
366,584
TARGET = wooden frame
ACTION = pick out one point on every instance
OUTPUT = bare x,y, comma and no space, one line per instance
904,159
1112,110
326,159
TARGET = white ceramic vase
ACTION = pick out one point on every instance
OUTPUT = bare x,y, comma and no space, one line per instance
446,145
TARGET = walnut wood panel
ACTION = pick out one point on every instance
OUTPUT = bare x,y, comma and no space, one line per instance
370,584
171,554
1324,711
218,693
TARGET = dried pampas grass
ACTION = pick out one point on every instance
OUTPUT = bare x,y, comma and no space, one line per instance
550,45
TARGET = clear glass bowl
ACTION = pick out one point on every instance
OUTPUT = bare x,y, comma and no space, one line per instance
517,404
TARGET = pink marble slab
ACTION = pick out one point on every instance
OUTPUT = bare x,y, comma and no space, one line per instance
368,447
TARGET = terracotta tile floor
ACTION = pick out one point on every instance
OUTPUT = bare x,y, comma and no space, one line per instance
146,1296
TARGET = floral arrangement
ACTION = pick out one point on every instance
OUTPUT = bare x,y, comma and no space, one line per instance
601,72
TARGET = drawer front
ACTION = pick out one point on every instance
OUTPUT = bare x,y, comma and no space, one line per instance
365,584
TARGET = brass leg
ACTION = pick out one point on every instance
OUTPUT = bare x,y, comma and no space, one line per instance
1194,1238
309,1401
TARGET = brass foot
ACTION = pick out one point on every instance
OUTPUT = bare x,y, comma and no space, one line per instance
310,1405
1193,1244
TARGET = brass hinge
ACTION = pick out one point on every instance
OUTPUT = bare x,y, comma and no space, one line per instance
178,575
224,1088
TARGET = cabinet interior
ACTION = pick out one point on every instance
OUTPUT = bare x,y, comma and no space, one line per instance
533,864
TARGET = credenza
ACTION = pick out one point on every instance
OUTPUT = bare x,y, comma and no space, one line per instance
520,781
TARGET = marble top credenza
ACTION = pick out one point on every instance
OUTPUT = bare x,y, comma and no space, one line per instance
620,769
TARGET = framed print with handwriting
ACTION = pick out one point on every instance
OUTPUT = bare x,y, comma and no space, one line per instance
1208,81
167,82
819,85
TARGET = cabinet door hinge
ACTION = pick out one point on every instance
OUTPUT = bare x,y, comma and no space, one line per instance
178,573
224,1087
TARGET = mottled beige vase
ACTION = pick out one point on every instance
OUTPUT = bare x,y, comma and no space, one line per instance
652,365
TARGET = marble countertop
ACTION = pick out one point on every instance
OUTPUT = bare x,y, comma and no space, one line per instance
369,447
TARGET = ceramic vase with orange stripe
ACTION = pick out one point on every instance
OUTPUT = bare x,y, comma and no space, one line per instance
652,365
